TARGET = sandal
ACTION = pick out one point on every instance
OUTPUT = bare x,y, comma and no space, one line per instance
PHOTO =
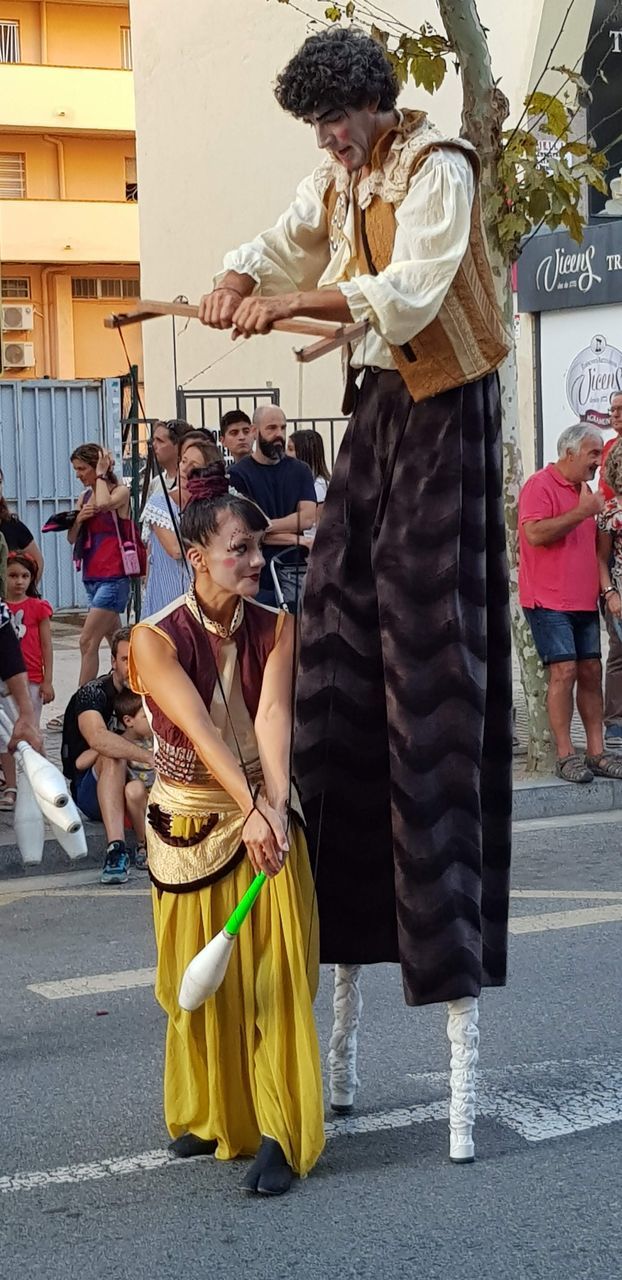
605,765
575,769
55,725
7,799
140,857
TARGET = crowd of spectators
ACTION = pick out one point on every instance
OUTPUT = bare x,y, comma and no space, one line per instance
106,749
570,578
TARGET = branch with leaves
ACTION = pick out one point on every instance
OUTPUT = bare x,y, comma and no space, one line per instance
531,184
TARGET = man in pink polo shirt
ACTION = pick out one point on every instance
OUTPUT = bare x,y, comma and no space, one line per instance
558,585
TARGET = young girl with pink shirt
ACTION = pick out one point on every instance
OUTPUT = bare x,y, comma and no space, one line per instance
31,621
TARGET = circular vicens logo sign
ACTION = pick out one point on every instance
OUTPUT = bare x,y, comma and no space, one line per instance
593,376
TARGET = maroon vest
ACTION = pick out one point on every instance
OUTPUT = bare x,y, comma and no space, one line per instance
197,652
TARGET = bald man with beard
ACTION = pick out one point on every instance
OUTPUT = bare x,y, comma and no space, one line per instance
281,485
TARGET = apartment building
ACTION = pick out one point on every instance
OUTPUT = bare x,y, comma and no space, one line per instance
69,250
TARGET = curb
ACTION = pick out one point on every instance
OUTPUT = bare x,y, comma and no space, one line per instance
543,809
550,797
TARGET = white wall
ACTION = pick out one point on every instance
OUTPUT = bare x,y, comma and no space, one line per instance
218,160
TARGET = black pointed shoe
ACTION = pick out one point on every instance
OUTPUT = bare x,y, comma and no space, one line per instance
269,1174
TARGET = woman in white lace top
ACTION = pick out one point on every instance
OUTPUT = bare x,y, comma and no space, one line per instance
167,573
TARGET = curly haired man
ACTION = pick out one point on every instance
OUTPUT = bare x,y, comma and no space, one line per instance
404,703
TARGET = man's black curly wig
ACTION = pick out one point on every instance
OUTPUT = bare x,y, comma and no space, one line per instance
339,68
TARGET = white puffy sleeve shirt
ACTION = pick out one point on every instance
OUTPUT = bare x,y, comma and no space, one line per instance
431,238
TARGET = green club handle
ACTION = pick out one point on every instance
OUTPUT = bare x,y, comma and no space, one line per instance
237,917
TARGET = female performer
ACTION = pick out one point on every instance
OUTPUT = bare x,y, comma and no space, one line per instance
242,1073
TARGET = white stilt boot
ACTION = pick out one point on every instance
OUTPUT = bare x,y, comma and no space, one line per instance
347,1005
463,1035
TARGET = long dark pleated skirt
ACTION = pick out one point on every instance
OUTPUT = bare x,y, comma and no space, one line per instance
403,741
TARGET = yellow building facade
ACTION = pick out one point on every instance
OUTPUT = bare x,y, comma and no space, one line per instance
69,250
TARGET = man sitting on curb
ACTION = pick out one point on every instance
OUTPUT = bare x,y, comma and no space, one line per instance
100,791
558,588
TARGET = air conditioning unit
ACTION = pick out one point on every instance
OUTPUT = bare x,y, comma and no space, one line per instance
18,317
18,355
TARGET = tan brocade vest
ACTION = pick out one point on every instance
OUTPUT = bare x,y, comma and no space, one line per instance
468,338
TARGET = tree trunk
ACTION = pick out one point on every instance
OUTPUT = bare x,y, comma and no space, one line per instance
484,110
533,680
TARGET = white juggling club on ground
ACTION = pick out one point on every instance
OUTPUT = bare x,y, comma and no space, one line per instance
42,792
27,817
28,821
206,972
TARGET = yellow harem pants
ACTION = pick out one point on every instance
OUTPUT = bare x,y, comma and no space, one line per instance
247,1062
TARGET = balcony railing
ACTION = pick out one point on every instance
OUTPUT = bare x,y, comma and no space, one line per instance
68,231
55,99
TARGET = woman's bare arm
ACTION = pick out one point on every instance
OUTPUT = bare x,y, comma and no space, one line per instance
168,540
115,499
273,722
167,683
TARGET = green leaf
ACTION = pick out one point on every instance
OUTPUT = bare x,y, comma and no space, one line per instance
350,9
575,148
572,219
400,67
333,13
553,111
428,72
377,34
538,204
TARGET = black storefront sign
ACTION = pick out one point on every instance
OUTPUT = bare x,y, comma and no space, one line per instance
555,273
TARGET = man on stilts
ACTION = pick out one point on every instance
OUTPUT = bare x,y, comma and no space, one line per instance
403,745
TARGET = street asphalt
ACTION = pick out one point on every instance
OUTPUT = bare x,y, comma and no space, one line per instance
81,1079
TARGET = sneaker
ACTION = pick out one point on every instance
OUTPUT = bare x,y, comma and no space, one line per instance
613,737
140,858
116,867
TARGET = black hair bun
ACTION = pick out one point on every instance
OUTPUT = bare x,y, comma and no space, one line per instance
205,484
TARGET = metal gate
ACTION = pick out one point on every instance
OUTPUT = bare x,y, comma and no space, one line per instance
204,409
41,423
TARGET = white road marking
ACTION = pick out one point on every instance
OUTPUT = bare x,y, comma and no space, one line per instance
530,1099
95,985
128,979
565,919
581,895
85,884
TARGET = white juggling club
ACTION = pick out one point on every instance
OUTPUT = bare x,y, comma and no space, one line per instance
27,817
28,821
66,824
41,784
206,972
72,841
65,819
45,779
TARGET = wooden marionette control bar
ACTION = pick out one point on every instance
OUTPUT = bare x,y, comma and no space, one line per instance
332,334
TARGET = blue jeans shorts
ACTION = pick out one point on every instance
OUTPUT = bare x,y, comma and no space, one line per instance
573,636
108,593
85,795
